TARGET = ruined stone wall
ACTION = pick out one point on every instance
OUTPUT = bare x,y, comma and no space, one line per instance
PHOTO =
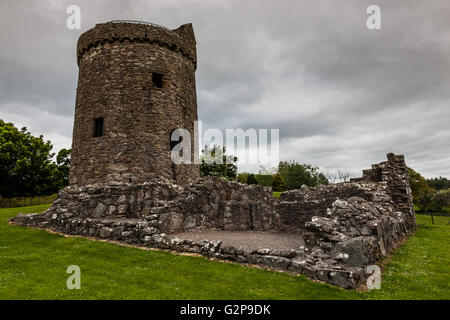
358,222
394,173
213,203
210,203
298,206
346,227
387,183
116,62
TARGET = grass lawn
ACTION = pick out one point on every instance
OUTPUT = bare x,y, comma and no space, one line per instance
277,194
33,265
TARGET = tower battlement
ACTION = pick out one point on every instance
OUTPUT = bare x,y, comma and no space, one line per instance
180,40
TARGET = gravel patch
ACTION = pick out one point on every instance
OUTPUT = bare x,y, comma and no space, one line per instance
252,240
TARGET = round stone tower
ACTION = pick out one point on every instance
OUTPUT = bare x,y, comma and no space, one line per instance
136,85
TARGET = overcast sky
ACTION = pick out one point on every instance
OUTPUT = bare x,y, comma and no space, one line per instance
342,95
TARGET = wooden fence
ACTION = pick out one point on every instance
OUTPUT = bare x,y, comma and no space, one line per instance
26,201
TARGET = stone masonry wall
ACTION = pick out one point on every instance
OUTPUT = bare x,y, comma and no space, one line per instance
116,63
360,229
299,206
210,203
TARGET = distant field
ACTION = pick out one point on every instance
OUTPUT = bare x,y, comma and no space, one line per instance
33,265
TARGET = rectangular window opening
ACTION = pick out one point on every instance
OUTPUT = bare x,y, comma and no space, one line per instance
157,79
98,127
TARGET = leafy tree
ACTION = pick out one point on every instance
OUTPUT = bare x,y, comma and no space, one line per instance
421,191
441,201
63,166
278,183
295,175
215,162
251,179
26,168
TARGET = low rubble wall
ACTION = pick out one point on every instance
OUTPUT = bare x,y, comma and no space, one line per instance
346,227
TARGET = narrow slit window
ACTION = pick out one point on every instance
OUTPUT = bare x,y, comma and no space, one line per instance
98,127
157,79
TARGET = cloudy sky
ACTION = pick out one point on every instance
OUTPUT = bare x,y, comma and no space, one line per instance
342,95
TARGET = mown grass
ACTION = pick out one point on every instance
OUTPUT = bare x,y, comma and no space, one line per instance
33,265
419,269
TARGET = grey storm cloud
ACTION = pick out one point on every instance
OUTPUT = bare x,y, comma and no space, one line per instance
342,95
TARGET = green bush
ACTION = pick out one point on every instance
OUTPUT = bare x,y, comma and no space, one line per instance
251,179
242,177
278,183
264,179
295,175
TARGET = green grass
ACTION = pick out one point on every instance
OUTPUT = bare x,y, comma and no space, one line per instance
33,265
277,194
420,269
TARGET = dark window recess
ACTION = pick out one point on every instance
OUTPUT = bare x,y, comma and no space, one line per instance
98,127
157,79
174,143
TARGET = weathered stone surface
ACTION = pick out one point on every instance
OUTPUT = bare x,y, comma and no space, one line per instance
105,232
99,211
116,62
275,262
359,251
